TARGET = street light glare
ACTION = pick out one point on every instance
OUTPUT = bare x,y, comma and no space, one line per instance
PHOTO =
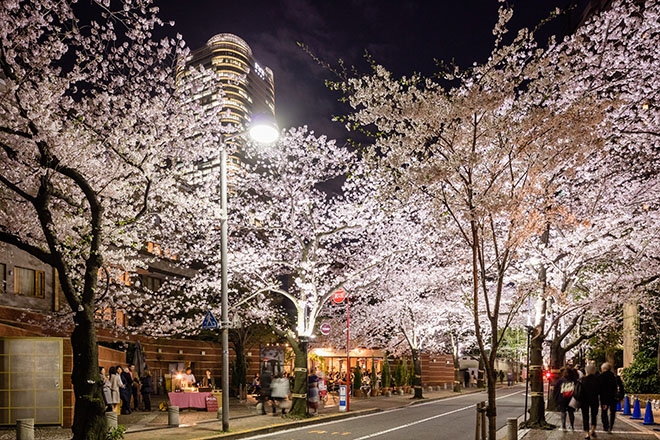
264,133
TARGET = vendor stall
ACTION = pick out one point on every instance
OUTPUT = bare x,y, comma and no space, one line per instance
189,400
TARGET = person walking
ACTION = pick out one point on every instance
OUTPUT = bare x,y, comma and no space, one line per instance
607,390
265,393
146,389
313,392
588,397
279,392
563,392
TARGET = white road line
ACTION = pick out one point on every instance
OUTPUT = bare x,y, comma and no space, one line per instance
387,431
272,434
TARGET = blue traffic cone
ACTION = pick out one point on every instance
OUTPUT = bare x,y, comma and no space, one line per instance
637,411
626,406
648,414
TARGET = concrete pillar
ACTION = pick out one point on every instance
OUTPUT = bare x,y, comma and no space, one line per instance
630,332
512,428
111,419
24,429
173,416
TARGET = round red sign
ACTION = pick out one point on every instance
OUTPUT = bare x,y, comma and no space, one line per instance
339,295
325,328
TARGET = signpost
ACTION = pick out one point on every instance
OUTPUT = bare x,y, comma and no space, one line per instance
338,297
209,322
342,398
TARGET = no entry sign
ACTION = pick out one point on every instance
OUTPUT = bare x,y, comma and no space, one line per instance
339,295
325,329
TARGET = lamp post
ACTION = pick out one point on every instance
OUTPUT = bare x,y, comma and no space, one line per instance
264,133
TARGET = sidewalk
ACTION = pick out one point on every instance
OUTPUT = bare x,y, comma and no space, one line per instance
624,428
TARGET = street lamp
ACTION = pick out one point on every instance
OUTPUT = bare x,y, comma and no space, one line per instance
263,132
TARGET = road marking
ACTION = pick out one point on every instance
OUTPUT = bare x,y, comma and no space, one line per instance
376,434
407,425
273,434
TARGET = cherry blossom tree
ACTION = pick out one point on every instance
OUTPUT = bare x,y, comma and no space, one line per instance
293,234
485,144
91,126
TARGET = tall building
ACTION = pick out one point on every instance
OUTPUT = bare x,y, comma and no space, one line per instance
246,89
248,86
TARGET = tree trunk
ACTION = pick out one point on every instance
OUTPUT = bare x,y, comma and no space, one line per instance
557,362
89,412
458,378
299,392
491,411
417,374
240,364
535,374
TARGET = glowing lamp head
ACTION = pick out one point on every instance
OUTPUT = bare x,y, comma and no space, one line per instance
264,133
263,129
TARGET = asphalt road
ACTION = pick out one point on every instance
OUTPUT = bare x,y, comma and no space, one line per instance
452,419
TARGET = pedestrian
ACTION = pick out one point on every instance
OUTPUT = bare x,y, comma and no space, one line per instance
509,378
312,392
608,390
279,391
265,393
466,379
563,392
107,392
254,386
135,385
125,391
146,389
501,376
588,397
115,386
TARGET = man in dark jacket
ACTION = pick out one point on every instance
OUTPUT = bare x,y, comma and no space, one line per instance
607,390
265,394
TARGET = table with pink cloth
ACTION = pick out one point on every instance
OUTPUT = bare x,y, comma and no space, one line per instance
189,400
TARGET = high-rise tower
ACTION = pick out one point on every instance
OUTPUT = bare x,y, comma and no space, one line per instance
248,86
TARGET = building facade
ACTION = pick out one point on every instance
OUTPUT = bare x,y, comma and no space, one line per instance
246,87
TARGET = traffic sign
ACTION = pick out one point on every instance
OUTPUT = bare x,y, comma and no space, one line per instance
209,322
325,329
339,295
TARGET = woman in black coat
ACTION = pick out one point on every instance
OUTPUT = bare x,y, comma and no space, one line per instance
588,397
125,392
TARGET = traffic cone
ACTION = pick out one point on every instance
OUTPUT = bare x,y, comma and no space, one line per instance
626,406
637,411
648,414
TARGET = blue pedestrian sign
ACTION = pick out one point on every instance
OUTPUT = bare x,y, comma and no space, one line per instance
209,322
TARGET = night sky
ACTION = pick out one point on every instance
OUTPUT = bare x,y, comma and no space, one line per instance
404,36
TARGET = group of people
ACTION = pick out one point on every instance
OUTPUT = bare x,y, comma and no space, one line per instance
120,385
589,392
188,380
276,389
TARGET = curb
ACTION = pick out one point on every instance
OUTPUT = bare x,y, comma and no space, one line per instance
289,425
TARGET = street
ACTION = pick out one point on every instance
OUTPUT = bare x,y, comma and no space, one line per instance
452,418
